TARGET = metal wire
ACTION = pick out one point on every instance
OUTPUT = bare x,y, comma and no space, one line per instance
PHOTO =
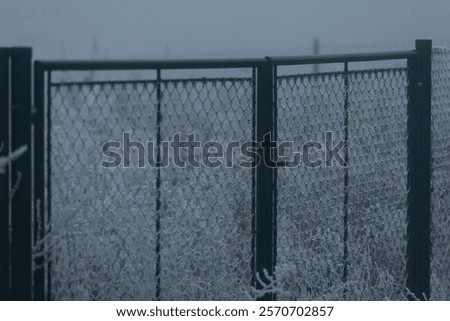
344,237
186,233
440,180
112,238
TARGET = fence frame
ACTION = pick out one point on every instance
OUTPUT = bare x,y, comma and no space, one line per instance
264,251
418,254
264,247
42,79
15,224
419,172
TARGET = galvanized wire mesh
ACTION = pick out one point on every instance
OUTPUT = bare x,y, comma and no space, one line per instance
103,236
102,224
440,180
378,184
207,214
342,230
186,233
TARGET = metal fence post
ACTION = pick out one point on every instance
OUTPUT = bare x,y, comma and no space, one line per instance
419,172
39,180
21,269
4,178
265,220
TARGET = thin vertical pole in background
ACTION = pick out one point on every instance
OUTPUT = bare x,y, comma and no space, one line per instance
5,245
419,172
316,51
21,250
158,184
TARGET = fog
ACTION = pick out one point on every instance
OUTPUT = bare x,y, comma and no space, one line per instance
199,28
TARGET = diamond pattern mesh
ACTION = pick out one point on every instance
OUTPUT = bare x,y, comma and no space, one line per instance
103,225
206,216
342,230
440,175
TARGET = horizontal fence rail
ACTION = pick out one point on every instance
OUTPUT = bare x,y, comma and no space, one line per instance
65,65
328,59
151,64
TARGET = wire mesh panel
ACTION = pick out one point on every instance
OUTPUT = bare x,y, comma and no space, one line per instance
342,230
310,200
166,222
109,236
103,222
206,213
440,196
377,217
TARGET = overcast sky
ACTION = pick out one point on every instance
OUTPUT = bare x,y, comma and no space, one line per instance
199,28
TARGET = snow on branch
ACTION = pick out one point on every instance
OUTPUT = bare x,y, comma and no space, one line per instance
5,160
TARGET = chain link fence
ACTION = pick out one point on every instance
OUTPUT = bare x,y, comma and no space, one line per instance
174,233
103,222
207,212
342,231
440,180
109,240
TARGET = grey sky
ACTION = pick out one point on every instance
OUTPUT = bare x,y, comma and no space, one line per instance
177,28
